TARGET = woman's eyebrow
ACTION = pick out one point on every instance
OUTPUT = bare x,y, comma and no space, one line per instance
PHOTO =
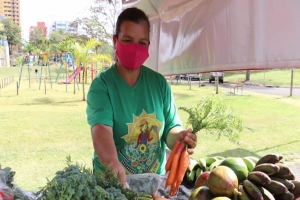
127,36
146,39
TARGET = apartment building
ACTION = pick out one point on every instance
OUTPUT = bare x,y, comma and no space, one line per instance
63,25
11,9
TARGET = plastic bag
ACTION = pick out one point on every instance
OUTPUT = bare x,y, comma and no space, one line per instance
147,183
5,192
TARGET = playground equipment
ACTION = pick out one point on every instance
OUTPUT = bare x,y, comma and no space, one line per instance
27,60
69,61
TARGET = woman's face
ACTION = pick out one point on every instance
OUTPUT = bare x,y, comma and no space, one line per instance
131,32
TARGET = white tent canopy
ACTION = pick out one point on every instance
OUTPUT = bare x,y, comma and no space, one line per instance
190,36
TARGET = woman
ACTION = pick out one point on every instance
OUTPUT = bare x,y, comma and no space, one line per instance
130,107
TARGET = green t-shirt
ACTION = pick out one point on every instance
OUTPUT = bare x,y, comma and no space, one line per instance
141,117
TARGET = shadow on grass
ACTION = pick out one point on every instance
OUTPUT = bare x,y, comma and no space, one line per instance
240,152
48,101
295,141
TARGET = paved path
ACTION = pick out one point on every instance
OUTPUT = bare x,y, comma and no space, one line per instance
280,91
296,171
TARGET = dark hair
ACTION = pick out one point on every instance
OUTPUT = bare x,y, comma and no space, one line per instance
131,14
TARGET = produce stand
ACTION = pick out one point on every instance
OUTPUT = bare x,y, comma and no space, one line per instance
183,193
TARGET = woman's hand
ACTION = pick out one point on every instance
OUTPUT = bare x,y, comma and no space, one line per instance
118,169
156,197
189,138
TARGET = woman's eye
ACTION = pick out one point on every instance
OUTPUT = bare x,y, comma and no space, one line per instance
127,41
143,43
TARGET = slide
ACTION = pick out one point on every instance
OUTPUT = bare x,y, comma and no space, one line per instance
73,75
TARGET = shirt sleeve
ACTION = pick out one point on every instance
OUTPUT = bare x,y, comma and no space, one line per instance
170,112
99,108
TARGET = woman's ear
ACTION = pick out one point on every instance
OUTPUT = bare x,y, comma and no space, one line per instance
114,41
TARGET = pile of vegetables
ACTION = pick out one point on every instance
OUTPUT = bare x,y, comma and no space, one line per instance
77,182
212,115
8,189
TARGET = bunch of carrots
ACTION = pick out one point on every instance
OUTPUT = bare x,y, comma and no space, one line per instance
177,165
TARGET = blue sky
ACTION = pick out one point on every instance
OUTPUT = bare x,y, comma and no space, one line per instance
33,11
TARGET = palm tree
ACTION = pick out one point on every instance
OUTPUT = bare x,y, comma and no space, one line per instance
44,44
29,48
102,60
82,55
67,45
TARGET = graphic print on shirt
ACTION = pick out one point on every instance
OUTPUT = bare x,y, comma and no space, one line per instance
142,149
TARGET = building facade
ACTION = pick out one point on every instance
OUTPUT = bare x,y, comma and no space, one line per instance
63,25
11,9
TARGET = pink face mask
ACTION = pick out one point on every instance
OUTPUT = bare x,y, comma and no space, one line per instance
131,56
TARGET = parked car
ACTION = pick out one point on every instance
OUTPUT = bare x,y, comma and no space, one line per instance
192,76
182,76
212,76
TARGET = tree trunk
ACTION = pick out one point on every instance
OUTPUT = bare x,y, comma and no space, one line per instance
9,49
83,89
248,75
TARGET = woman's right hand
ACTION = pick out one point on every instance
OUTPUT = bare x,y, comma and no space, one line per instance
119,171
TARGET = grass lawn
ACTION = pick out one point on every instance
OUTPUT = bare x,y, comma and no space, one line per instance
39,130
269,77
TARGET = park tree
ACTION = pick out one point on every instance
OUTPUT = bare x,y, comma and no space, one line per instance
82,54
105,48
36,35
12,32
101,21
58,36
1,36
80,38
44,44
29,48
67,45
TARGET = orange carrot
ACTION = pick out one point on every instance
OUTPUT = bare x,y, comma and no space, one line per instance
173,170
189,166
182,166
169,162
173,188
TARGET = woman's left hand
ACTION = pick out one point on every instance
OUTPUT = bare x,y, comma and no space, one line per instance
189,138
157,197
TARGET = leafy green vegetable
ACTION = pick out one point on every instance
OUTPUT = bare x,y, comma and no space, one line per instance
7,178
76,182
73,182
213,115
106,179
